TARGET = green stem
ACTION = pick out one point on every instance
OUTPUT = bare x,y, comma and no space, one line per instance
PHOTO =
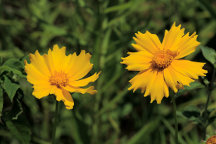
55,123
205,113
176,123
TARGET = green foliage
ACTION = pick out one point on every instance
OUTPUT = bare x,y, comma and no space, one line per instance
10,88
19,131
1,101
209,54
105,29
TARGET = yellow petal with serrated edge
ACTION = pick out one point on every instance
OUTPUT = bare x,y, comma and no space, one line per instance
85,81
149,42
189,68
138,61
172,38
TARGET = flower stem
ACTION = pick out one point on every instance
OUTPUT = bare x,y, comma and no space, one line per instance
176,123
205,113
55,123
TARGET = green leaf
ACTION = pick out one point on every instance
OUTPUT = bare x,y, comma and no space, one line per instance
121,7
19,131
14,63
209,54
14,66
1,101
9,69
10,88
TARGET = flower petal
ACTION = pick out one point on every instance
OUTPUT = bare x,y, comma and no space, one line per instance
189,68
141,80
34,75
170,79
138,61
41,91
157,87
85,81
172,38
175,40
58,56
65,96
89,90
179,77
79,65
39,63
147,41
55,58
152,82
187,45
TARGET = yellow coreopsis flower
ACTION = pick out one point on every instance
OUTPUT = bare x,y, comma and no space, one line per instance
160,65
58,74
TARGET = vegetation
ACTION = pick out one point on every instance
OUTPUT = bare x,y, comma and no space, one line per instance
105,29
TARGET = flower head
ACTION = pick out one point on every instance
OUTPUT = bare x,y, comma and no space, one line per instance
211,140
58,74
160,65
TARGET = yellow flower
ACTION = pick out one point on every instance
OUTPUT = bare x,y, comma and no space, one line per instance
160,65
58,74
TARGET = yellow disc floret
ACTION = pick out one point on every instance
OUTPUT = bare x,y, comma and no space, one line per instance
59,79
163,59
211,140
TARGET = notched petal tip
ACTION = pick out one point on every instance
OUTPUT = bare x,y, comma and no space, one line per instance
85,54
158,101
55,46
139,33
152,100
193,35
25,62
98,73
63,47
133,44
31,56
174,24
135,39
69,107
130,88
36,52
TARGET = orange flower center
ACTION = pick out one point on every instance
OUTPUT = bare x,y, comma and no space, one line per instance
211,140
59,79
163,59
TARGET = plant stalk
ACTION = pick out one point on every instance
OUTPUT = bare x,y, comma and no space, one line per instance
56,119
175,116
205,113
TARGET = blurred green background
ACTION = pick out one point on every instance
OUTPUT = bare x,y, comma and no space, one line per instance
105,29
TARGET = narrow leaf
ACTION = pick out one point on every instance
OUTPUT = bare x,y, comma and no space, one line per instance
146,130
1,100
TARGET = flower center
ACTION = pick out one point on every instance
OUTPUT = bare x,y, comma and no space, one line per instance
59,79
163,59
